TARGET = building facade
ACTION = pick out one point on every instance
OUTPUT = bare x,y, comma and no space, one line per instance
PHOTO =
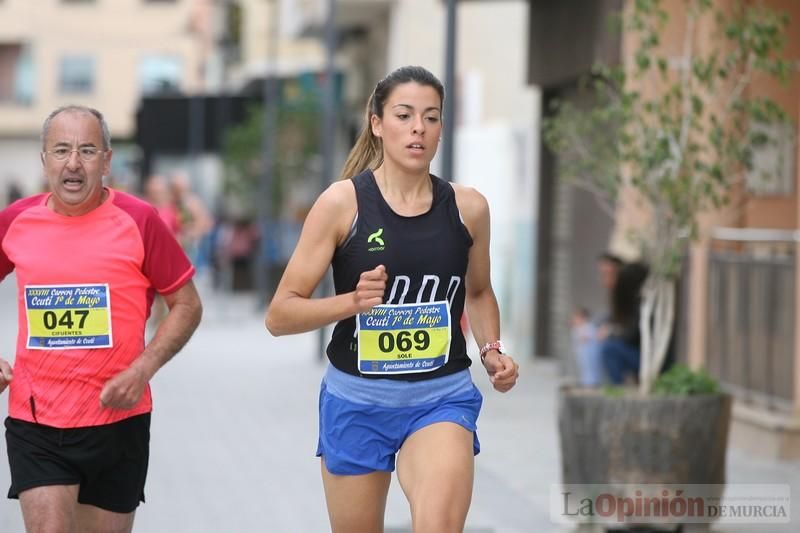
101,53
741,287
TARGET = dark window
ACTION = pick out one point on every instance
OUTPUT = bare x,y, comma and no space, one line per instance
17,81
160,74
76,75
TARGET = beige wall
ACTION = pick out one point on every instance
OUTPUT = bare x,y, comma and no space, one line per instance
754,211
776,211
491,50
781,211
118,34
288,54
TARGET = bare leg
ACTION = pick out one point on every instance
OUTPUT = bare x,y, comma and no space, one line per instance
356,504
436,468
92,519
50,509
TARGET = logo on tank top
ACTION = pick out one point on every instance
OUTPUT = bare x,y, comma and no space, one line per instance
377,239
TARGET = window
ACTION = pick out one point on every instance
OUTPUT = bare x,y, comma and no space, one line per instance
76,75
160,74
17,83
774,164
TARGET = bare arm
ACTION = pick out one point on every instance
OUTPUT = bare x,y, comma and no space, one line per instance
124,390
481,303
5,374
292,309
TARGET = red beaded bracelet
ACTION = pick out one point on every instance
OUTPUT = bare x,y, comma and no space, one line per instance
496,345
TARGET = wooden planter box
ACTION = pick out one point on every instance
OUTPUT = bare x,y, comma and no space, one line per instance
635,440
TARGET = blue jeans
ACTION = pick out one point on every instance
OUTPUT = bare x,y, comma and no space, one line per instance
620,359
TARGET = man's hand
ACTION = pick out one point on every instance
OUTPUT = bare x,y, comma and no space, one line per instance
370,288
5,374
503,371
124,390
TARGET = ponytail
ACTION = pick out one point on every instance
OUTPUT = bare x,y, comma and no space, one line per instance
367,152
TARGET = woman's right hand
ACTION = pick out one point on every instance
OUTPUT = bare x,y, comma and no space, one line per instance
370,288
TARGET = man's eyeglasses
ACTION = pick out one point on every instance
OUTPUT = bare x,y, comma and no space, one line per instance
86,153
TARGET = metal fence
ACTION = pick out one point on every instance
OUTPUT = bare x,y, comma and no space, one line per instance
751,315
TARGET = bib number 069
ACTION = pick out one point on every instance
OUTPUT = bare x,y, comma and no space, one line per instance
403,341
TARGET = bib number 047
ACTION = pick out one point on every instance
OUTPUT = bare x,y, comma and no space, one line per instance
52,320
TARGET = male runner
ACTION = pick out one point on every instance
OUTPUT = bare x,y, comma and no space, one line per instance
88,261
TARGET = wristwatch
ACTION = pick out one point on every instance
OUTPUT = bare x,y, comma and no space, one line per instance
495,345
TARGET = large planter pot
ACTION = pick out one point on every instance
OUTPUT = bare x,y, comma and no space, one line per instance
635,440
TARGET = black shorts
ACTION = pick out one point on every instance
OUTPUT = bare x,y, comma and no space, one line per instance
109,462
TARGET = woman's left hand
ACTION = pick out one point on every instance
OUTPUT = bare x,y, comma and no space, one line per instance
503,371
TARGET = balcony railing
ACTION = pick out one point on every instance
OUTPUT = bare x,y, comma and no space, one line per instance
751,314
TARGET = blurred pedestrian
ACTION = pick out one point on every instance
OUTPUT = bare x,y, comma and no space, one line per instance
158,193
79,404
237,247
408,250
195,219
621,346
587,334
586,347
13,192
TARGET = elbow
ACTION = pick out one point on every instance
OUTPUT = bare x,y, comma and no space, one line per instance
273,324
198,314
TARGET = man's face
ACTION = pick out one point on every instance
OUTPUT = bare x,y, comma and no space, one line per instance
77,184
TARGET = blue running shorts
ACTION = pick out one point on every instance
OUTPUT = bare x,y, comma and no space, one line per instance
364,422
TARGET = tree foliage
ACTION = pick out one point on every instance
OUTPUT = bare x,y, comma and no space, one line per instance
243,151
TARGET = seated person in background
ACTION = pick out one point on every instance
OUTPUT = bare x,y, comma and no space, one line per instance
586,346
620,349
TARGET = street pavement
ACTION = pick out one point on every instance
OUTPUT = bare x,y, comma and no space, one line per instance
235,426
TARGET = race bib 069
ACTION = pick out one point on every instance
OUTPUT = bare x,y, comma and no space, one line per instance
68,316
403,338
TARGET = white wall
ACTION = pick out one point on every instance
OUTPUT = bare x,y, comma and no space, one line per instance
497,123
498,162
491,43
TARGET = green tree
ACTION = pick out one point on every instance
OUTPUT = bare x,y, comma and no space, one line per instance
243,152
680,131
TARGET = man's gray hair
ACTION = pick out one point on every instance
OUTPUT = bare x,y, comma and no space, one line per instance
78,109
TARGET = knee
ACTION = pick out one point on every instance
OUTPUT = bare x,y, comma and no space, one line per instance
440,523
433,518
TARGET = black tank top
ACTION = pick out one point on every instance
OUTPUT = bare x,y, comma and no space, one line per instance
425,258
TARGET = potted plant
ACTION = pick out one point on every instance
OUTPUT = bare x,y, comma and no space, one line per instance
680,133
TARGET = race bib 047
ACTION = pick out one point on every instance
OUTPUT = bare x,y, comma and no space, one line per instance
68,316
403,338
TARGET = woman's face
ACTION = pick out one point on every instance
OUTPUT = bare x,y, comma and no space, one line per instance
411,126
